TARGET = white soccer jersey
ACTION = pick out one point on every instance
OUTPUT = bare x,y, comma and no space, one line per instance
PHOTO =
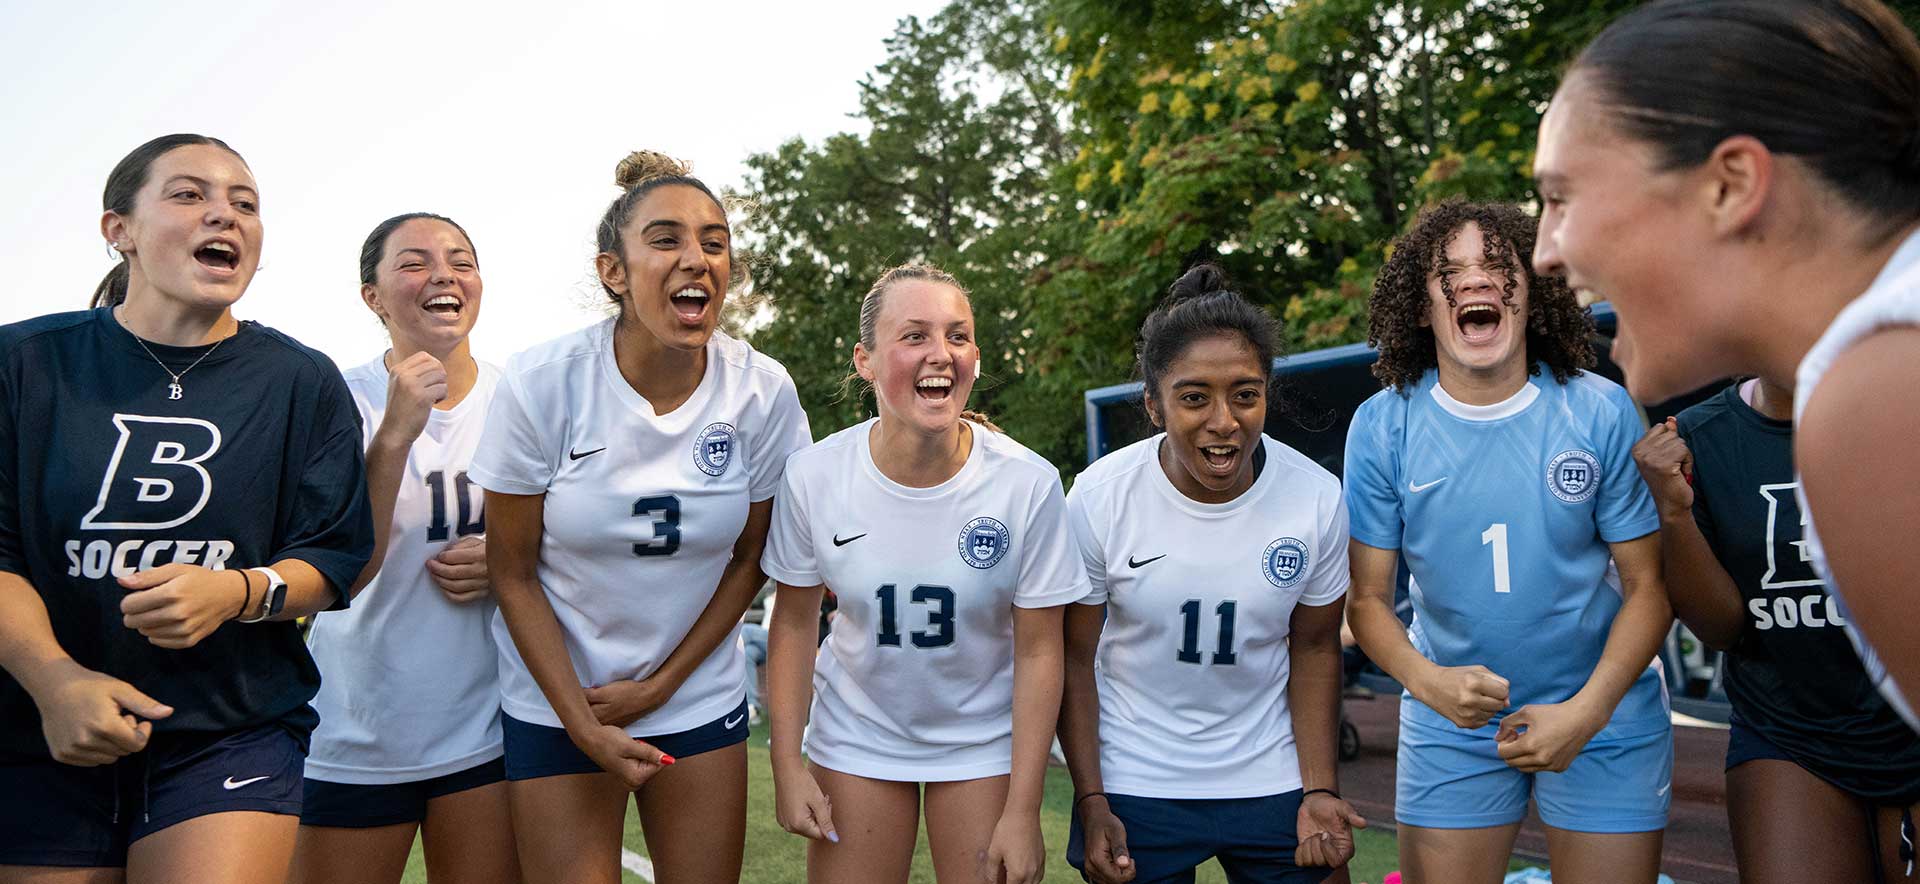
641,511
1892,300
915,683
409,685
1192,665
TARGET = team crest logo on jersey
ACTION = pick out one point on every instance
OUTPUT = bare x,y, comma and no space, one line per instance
1573,475
984,542
714,449
1285,562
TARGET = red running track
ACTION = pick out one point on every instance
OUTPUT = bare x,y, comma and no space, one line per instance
1697,850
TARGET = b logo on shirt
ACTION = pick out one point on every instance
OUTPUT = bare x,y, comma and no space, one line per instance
154,480
1285,562
984,542
714,449
1573,475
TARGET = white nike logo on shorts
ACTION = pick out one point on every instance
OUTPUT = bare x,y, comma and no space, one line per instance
1662,791
231,785
1416,487
732,722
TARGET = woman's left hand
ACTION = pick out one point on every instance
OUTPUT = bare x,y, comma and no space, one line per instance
176,606
460,570
1555,733
1325,827
1016,854
623,702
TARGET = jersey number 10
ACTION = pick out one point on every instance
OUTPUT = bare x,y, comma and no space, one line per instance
473,519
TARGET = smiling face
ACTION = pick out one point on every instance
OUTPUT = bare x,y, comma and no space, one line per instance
427,287
1212,401
1477,304
1617,228
924,359
672,273
193,237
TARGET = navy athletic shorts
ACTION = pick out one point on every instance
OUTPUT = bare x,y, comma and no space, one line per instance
535,750
1254,838
364,806
1745,744
54,814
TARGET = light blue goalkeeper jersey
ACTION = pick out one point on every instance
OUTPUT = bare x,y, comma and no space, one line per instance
1503,514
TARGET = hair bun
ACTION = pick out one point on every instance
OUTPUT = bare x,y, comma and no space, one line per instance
1203,278
644,165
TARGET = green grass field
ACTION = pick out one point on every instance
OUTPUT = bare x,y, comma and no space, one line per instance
775,857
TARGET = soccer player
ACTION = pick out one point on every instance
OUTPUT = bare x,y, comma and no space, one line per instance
1501,473
409,702
1747,222
176,486
1218,559
1819,766
630,469
947,544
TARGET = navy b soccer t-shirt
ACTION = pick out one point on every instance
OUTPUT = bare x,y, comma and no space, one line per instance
103,474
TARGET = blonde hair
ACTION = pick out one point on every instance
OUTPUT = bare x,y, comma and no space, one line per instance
876,297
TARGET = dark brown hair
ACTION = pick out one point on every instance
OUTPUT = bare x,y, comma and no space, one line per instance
641,173
1559,330
123,186
1201,303
375,247
1835,83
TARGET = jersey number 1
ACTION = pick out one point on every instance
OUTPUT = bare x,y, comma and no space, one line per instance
1496,534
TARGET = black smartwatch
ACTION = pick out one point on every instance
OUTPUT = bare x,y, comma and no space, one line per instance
275,598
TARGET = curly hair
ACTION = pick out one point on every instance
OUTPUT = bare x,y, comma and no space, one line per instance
1559,330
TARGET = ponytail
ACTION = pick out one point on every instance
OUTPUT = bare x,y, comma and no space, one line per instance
112,290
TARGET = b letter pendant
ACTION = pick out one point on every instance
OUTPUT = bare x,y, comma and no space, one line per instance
173,391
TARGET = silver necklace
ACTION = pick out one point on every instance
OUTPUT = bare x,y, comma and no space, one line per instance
174,389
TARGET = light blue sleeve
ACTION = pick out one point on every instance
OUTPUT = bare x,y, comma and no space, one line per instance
1371,480
1624,510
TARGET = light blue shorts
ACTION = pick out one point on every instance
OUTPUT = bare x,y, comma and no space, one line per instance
1450,778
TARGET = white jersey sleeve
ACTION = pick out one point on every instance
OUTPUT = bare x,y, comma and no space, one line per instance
789,556
1329,582
1050,570
1093,555
782,431
517,453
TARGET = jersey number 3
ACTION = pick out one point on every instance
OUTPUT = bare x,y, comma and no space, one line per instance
666,527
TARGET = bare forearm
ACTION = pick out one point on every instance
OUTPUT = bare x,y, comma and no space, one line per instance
1313,696
792,642
1638,629
1703,595
1080,700
386,467
28,647
738,585
542,644
308,591
1384,637
1038,670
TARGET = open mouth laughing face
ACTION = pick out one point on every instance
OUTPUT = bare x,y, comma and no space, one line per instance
1477,303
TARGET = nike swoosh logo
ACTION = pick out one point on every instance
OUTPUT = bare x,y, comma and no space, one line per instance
576,455
231,784
1663,789
1135,563
838,542
734,721
1416,487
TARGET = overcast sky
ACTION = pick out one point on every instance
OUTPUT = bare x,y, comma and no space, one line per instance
508,119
